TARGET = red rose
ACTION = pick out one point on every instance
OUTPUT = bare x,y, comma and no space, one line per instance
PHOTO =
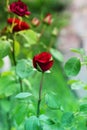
18,24
35,22
19,8
48,19
43,61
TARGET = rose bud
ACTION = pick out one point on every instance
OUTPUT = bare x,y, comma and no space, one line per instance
18,25
35,22
19,8
48,19
43,61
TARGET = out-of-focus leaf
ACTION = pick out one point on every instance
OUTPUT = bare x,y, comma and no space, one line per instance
5,105
46,120
23,95
32,123
17,48
20,112
83,108
72,66
24,68
4,48
52,100
67,119
77,84
53,127
30,37
56,54
8,86
78,50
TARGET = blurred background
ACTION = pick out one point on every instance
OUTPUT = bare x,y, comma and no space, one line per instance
74,35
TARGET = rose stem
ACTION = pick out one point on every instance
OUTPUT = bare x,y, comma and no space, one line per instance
40,92
14,60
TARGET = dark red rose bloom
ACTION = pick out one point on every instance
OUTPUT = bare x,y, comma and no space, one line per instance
43,61
18,25
19,8
48,19
35,21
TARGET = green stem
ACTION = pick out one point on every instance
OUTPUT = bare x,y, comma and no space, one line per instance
13,53
9,120
21,86
40,93
7,4
15,63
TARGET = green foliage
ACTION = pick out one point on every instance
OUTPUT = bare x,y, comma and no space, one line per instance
83,108
17,48
72,66
4,48
19,112
29,37
67,119
77,84
32,123
51,100
23,95
8,86
78,50
80,115
24,68
56,54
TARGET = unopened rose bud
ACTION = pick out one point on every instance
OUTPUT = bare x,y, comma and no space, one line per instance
35,22
48,19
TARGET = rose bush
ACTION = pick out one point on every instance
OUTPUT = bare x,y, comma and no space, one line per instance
43,61
25,105
19,8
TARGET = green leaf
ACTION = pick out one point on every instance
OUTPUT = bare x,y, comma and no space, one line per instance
53,127
52,101
24,68
32,123
23,95
8,86
46,120
20,112
5,104
77,84
78,50
84,62
72,66
73,128
31,109
30,37
17,48
57,55
4,48
83,108
67,119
